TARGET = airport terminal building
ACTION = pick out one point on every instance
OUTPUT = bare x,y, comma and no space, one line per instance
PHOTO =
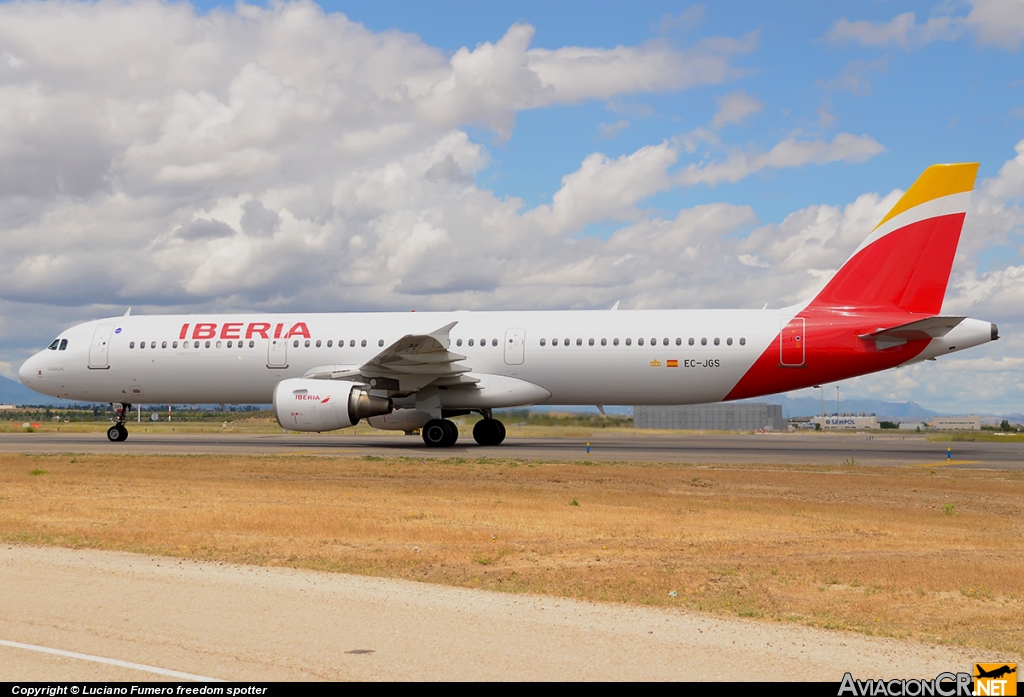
711,417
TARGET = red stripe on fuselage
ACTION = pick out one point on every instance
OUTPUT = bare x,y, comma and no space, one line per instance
833,352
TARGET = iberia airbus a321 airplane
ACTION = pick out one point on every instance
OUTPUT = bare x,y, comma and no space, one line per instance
408,371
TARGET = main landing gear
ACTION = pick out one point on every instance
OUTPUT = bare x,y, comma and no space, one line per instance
442,433
118,433
489,432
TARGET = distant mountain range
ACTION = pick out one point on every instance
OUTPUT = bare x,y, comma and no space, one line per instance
885,411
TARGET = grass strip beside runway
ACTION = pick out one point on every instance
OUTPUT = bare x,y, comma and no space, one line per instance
908,552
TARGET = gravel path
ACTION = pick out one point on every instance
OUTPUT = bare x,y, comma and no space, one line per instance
251,623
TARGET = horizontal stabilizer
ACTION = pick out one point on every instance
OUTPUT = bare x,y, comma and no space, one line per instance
931,328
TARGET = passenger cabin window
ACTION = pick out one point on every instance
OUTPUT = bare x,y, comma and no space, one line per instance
717,341
743,342
318,343
174,345
629,342
251,344
307,343
54,345
363,343
604,342
163,344
63,344
679,341
704,342
639,342
664,342
728,342
579,342
295,344
691,341
542,342
459,342
470,342
131,344
195,345
494,342
591,342
207,344
615,342
152,344
330,343
380,342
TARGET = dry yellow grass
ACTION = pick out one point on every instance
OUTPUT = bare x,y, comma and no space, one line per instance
931,554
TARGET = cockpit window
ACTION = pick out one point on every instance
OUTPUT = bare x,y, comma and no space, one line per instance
63,344
53,346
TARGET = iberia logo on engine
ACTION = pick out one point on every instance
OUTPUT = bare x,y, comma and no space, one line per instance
312,398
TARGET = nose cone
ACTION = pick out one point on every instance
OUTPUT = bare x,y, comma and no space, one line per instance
27,371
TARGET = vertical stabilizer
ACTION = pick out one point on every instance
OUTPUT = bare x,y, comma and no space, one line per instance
905,261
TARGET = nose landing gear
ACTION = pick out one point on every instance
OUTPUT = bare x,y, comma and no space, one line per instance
118,433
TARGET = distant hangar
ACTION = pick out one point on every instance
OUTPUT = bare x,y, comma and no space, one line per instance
733,416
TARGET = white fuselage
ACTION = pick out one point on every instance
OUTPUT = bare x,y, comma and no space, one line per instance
601,357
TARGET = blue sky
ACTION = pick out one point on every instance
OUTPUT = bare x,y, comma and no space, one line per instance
381,156
946,101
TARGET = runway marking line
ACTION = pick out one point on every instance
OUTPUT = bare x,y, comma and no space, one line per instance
109,661
946,463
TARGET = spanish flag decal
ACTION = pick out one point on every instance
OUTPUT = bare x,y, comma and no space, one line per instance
672,363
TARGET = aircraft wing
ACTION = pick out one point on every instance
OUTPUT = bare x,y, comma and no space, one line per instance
408,365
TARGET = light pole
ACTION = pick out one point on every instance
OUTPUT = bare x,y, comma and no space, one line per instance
837,400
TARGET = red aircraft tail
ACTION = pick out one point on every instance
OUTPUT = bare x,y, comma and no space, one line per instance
904,263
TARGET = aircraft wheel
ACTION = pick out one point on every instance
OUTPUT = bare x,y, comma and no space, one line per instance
453,433
117,433
436,433
489,432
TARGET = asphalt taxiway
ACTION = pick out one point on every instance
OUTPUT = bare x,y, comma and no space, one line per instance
778,449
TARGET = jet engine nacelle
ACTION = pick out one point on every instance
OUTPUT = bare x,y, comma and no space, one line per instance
301,404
